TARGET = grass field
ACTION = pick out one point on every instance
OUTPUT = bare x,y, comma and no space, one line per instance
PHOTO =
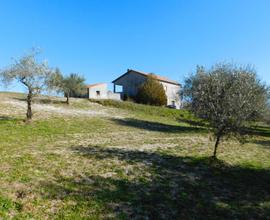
125,161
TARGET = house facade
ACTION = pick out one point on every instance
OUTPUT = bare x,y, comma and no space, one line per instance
132,79
100,91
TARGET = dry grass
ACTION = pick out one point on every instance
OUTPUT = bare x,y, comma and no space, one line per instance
14,105
114,164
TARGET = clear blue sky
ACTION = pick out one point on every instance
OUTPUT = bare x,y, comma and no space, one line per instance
102,38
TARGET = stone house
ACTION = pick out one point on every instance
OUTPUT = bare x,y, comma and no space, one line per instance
100,91
132,79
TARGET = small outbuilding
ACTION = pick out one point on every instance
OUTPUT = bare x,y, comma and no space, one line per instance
100,91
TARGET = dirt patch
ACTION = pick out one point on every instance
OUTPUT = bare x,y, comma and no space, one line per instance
18,107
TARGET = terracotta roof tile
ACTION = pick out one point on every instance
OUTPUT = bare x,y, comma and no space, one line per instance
160,78
93,85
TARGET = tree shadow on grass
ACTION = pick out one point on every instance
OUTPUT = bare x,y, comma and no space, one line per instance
42,100
157,126
178,188
259,131
49,101
191,122
22,99
263,143
8,119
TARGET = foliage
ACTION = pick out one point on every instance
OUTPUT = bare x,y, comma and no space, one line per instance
31,73
267,115
151,92
70,85
126,97
228,96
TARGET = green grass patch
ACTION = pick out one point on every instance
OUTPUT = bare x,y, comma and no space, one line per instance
157,111
148,163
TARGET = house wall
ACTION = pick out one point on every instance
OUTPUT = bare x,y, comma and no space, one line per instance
130,83
114,96
173,94
93,92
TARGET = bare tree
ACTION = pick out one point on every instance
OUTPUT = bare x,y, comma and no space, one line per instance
227,96
29,72
70,85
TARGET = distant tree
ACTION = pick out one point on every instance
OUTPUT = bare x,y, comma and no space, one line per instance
227,96
68,85
31,73
267,115
151,92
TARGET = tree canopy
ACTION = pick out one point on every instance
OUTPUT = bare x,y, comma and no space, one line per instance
227,96
151,92
31,73
68,85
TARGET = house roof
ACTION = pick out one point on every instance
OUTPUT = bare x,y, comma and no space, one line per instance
94,85
159,78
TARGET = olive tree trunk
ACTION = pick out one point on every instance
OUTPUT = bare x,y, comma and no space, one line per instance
29,99
67,96
216,146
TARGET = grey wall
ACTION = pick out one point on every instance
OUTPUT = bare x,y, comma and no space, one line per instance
130,83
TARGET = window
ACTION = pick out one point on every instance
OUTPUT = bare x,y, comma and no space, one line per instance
173,103
98,93
118,88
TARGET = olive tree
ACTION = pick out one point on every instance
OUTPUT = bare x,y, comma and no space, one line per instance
227,96
29,72
70,85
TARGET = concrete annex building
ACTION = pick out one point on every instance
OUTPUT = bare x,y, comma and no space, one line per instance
100,91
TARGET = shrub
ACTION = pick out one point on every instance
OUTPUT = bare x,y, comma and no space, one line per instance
151,92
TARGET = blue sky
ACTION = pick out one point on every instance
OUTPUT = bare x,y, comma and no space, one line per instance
102,38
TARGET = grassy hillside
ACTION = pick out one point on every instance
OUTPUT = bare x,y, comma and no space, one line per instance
124,161
163,113
146,109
